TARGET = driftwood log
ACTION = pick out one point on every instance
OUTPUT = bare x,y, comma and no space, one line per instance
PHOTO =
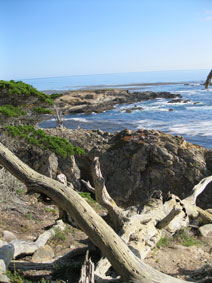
137,230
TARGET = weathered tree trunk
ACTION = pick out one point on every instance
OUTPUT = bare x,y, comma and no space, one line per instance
87,271
134,228
208,80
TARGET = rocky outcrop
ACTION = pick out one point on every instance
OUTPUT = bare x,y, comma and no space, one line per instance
138,163
134,164
100,100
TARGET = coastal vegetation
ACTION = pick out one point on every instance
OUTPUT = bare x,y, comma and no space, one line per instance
12,111
39,138
42,110
56,95
20,88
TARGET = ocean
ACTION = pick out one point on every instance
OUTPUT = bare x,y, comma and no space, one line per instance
192,120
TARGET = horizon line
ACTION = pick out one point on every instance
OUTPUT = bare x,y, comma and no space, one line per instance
102,74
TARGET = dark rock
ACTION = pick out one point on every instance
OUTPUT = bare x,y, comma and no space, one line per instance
101,100
134,163
175,101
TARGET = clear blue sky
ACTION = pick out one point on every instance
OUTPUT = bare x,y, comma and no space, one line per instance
44,38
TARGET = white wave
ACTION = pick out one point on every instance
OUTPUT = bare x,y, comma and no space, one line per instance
194,128
201,128
201,108
188,91
78,120
148,123
53,119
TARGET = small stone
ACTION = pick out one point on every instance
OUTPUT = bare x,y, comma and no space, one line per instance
8,236
7,254
205,230
43,253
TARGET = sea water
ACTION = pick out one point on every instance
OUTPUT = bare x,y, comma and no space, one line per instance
192,120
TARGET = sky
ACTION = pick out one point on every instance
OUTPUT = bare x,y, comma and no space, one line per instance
49,38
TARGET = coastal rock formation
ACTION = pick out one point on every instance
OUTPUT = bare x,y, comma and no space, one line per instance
100,100
134,163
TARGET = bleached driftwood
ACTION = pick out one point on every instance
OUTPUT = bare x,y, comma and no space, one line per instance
18,247
59,118
87,270
141,232
124,251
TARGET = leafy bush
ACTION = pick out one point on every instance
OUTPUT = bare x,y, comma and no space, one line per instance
39,138
42,110
12,111
20,88
56,95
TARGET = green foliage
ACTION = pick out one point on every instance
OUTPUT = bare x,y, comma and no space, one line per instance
12,111
59,236
21,88
17,277
56,95
40,139
95,205
42,110
50,209
29,216
163,242
185,238
20,191
87,196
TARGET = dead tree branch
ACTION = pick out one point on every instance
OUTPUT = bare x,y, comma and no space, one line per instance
125,255
208,80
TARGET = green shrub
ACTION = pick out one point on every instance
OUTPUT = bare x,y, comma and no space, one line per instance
39,138
56,95
42,110
12,111
21,88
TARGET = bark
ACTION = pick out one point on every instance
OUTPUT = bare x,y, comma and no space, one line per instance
102,196
208,80
134,229
87,271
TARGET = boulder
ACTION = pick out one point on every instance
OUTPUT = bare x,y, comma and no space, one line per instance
8,236
43,254
205,230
